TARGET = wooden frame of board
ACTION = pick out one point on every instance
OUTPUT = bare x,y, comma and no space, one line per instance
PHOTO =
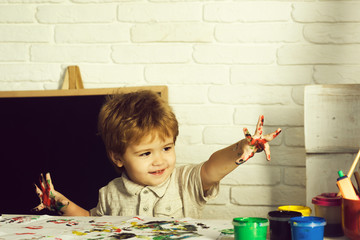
162,90
73,86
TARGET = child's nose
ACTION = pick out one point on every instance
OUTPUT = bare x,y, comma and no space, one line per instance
158,160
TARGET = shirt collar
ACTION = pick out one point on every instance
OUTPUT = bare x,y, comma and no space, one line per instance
134,188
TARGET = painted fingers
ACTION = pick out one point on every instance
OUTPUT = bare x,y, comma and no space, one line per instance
259,127
41,206
257,143
44,192
47,195
273,135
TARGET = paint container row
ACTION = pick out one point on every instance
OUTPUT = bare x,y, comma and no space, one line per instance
335,216
282,224
342,215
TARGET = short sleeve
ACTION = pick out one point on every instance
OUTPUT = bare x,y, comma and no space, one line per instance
98,210
191,175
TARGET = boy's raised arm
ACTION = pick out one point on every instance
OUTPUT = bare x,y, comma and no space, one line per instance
226,160
55,201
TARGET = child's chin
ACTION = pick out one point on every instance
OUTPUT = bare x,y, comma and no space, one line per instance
157,182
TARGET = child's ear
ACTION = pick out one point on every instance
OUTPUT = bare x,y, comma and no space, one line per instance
116,159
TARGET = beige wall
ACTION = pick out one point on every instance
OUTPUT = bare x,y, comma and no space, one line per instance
225,63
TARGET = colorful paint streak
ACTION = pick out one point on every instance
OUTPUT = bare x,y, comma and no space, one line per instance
35,227
123,235
163,230
67,222
153,230
103,227
20,219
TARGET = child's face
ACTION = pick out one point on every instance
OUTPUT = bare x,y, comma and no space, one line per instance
149,162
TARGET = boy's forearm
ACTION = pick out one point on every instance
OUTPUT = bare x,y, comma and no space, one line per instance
220,164
73,209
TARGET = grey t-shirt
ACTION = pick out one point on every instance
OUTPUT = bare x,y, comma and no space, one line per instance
181,195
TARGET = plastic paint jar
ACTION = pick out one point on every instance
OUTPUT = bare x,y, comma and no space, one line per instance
250,228
307,228
328,206
351,218
305,211
279,224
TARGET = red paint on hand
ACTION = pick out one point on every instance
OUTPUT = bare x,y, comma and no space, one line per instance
258,143
277,133
46,199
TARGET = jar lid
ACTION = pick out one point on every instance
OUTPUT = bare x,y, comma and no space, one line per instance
305,211
283,215
251,221
327,199
308,221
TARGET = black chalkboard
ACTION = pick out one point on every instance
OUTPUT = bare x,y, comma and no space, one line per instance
56,134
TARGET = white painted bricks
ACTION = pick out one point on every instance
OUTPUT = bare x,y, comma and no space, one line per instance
224,62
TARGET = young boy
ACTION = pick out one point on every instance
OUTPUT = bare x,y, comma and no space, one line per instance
139,130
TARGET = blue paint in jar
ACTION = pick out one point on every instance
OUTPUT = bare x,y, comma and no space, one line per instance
307,228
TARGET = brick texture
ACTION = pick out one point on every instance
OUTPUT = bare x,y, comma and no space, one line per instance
224,62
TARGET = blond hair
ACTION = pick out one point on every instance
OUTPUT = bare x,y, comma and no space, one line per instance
127,117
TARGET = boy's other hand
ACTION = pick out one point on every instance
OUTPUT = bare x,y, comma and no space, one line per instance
256,143
49,198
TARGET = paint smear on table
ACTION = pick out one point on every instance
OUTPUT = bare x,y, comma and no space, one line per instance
59,227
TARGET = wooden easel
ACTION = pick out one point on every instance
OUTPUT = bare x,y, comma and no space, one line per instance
72,79
73,85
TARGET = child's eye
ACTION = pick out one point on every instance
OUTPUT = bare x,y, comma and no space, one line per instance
167,149
145,154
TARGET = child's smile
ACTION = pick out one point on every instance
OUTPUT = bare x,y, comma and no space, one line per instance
158,172
149,162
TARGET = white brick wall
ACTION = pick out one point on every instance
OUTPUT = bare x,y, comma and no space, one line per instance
225,63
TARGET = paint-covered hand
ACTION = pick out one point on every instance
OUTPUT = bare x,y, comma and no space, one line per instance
257,143
49,198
